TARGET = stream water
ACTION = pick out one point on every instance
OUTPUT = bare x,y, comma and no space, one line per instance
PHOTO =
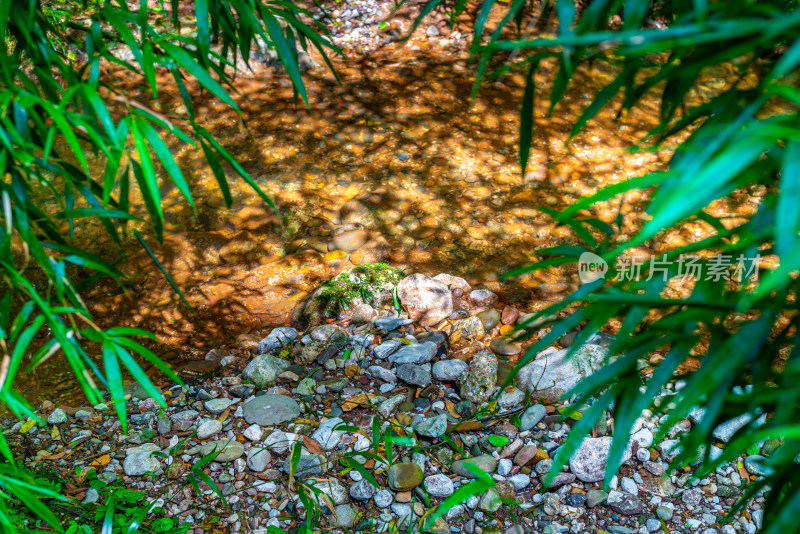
397,156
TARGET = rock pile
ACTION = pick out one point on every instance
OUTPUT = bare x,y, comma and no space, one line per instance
429,377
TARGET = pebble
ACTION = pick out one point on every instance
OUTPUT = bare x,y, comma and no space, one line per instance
439,485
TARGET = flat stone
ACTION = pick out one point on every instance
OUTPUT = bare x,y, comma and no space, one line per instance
258,459
484,463
489,319
417,353
624,503
308,465
433,427
389,324
532,416
387,407
505,346
217,406
386,348
269,410
227,449
325,434
344,516
595,497
387,375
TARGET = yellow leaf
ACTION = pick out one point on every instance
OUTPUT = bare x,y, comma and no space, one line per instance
55,434
451,409
30,423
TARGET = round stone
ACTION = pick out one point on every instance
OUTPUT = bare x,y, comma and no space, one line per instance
404,476
439,485
427,301
589,461
489,319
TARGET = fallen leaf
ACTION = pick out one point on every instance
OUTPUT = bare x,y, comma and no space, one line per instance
363,400
312,445
451,409
102,461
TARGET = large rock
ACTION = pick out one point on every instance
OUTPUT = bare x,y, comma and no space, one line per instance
263,370
427,301
478,383
269,410
552,374
589,461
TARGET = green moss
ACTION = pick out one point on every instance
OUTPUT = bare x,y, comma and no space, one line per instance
340,291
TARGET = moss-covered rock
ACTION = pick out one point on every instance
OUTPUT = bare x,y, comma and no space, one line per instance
371,284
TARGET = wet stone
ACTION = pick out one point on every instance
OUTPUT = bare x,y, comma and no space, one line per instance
489,319
505,347
404,476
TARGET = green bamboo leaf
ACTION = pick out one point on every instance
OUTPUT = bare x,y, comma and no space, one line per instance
165,156
162,269
184,59
114,379
527,118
